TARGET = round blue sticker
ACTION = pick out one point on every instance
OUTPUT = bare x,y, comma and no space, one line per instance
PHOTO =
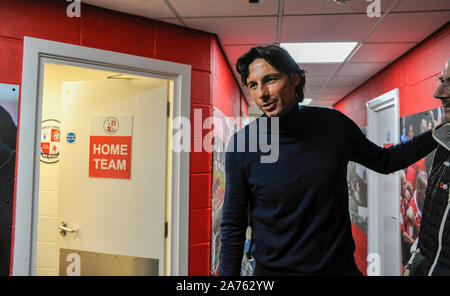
71,137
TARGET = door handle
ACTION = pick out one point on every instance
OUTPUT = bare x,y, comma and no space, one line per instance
64,229
393,217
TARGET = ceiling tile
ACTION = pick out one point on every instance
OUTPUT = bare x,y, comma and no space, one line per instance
310,91
381,52
340,91
309,94
173,21
362,69
408,27
421,5
241,30
326,28
216,8
317,80
324,102
147,8
348,80
328,97
320,69
329,6
233,52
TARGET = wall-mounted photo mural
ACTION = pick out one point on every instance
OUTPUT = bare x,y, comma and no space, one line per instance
221,138
413,179
357,193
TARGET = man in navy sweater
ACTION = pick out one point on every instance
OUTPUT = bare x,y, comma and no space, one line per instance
298,204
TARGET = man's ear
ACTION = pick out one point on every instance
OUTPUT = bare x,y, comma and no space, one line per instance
295,79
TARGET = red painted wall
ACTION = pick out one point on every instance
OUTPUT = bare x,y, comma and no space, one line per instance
224,93
360,238
414,74
212,82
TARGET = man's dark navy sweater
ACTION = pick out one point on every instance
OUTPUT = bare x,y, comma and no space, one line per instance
298,205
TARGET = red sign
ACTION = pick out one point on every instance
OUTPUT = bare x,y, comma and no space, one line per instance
110,157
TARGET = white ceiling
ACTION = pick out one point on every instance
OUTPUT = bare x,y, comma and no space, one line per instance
240,26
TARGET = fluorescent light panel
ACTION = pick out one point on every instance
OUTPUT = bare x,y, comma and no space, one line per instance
319,52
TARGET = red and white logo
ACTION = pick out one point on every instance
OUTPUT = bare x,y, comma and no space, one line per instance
50,136
111,125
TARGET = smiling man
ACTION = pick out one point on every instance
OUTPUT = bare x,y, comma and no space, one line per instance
432,257
298,205
273,90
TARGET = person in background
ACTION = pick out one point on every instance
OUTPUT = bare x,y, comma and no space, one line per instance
423,125
414,209
410,132
431,251
407,239
8,135
419,194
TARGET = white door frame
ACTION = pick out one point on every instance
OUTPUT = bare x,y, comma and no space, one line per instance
35,52
389,99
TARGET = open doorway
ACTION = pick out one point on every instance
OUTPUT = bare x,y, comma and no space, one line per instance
103,173
106,193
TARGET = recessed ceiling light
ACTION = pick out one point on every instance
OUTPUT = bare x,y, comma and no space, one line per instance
319,52
306,101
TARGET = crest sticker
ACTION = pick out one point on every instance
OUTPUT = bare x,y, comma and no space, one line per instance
111,125
50,138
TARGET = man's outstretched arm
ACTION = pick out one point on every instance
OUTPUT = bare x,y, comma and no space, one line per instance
391,159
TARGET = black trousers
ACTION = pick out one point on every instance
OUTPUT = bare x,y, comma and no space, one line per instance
351,270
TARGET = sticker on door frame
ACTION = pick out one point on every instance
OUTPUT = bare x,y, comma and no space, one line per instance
50,139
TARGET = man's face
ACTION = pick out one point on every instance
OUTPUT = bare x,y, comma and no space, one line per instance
273,91
443,91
